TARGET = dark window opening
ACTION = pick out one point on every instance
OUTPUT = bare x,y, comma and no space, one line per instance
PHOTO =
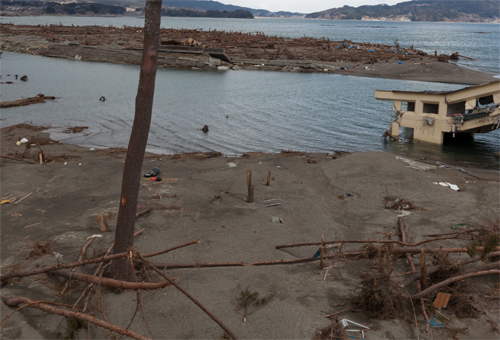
431,108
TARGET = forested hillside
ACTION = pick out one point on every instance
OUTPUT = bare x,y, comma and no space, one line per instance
420,10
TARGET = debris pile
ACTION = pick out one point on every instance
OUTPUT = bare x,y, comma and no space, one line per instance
251,50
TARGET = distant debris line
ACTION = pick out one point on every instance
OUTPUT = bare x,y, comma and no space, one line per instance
186,12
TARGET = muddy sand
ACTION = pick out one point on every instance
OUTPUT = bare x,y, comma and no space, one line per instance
253,51
203,197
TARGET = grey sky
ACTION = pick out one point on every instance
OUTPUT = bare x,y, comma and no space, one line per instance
305,6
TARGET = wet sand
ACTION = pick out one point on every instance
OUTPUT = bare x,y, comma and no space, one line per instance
203,197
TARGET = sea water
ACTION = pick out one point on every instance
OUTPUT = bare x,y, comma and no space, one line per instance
245,110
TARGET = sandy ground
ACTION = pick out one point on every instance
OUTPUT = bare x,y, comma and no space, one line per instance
204,198
244,50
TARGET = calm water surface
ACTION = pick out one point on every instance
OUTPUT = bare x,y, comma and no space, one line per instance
245,110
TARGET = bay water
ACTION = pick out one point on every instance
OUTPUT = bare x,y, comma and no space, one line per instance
247,110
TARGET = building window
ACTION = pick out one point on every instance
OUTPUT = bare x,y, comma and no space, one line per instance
431,108
408,106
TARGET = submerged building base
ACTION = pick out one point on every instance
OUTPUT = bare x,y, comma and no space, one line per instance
475,109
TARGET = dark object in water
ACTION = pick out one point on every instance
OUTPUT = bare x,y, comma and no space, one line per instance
24,78
102,99
205,128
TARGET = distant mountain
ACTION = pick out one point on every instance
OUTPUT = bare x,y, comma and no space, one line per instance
217,6
419,10
205,5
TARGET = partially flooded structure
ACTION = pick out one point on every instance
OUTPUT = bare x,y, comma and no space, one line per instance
431,115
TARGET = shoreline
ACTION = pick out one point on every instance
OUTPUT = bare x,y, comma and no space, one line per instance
242,51
203,197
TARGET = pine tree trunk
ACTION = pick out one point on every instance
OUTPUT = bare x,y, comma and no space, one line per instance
124,234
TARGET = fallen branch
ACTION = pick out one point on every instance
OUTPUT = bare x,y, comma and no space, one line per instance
23,198
213,317
446,282
85,262
19,159
13,302
268,263
110,282
336,313
197,265
142,212
431,270
378,241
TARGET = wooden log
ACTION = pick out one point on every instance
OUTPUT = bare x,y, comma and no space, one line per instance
26,101
250,198
462,56
268,178
13,302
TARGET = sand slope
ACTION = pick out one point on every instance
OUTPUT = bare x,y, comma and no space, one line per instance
205,200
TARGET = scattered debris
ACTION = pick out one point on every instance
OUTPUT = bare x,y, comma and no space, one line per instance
398,203
23,198
276,219
446,184
153,173
441,300
40,249
247,299
103,223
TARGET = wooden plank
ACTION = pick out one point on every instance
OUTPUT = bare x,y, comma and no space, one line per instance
441,300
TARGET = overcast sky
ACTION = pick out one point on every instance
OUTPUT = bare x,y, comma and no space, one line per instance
305,6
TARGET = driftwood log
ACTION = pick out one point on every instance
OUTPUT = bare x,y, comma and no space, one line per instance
39,98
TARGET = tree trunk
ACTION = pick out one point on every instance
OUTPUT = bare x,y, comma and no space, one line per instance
124,235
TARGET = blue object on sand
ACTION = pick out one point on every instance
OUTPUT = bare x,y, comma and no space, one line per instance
434,323
316,256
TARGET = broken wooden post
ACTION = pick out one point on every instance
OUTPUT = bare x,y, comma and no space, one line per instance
250,186
268,178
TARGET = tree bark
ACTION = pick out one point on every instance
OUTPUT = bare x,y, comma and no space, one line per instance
124,238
